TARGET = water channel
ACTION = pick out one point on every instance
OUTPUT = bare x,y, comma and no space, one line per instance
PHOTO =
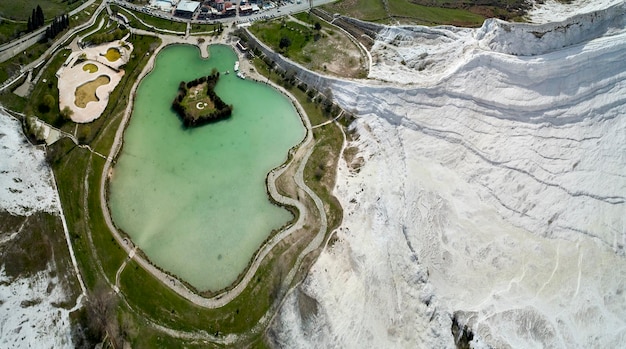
194,200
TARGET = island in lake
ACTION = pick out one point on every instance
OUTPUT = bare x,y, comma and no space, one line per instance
197,104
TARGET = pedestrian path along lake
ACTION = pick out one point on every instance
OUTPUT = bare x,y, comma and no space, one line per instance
194,200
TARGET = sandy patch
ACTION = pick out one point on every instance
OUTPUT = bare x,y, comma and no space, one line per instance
70,81
87,92
81,68
113,54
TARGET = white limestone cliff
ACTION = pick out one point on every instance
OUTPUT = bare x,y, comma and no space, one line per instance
493,193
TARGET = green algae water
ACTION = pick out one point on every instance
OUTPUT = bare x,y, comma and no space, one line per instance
194,200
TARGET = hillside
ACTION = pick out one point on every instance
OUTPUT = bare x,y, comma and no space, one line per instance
492,193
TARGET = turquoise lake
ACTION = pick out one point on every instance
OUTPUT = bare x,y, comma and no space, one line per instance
194,200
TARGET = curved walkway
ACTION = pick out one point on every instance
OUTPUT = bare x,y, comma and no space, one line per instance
151,26
302,153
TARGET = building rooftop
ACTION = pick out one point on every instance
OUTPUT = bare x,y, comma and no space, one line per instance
187,6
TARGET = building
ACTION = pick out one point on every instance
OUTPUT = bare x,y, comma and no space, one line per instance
186,9
245,10
163,5
219,5
230,9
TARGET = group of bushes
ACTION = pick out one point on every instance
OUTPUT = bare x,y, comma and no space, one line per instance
37,20
114,35
220,112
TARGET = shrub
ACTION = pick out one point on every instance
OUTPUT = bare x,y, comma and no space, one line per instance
47,103
67,113
84,133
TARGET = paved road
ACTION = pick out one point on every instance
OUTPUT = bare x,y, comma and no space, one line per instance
10,49
286,9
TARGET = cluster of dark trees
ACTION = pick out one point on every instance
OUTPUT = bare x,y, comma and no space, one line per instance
58,25
36,19
222,110
220,27
284,43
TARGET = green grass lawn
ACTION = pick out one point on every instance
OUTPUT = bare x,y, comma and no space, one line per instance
11,30
49,87
328,50
367,10
16,15
308,18
203,28
404,10
271,32
12,66
195,97
160,23
20,10
434,15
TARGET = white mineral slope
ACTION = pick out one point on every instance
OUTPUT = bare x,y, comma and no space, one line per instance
423,56
30,314
555,11
30,311
493,189
25,180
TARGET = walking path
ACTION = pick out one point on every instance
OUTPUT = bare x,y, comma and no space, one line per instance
131,254
329,121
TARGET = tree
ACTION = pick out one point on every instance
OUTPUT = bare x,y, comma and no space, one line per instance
318,26
101,306
34,131
284,43
47,103
290,76
67,113
58,25
40,19
84,133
